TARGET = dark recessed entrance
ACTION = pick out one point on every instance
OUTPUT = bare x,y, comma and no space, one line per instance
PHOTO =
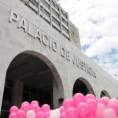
28,78
80,87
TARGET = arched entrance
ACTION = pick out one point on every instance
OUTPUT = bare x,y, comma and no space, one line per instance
31,76
81,85
104,93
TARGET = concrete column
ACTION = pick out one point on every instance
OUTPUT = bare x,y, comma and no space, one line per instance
2,81
17,93
55,94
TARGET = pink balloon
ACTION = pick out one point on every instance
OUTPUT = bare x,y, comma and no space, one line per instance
47,115
14,109
25,103
35,108
68,103
63,115
92,104
25,108
45,108
85,117
104,100
34,102
20,114
88,96
39,114
62,109
100,109
114,107
12,115
98,116
92,115
78,98
109,113
83,109
72,113
113,101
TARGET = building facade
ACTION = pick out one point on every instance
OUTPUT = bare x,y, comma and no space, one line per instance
41,57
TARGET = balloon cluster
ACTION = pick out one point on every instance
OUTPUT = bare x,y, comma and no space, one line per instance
32,110
89,107
79,107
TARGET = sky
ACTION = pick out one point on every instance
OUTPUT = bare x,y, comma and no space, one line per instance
97,21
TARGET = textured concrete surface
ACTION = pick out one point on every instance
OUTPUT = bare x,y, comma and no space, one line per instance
14,40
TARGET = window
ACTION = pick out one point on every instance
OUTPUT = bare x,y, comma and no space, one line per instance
53,3
46,4
55,21
64,21
57,7
41,8
46,13
34,2
55,13
65,29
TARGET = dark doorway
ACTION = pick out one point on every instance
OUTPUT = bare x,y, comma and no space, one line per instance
80,87
28,78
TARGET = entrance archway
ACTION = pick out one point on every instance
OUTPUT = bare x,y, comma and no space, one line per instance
81,85
104,93
31,76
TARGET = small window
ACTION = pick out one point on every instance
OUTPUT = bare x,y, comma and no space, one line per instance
57,7
46,4
53,3
55,21
55,13
64,29
46,13
64,21
34,2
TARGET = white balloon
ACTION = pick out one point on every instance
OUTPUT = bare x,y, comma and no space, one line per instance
54,115
57,111
30,114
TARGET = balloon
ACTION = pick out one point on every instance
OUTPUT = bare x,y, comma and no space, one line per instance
62,109
68,103
20,114
14,109
47,115
54,115
113,101
92,115
78,98
114,107
30,114
85,117
83,109
57,111
100,109
88,96
34,102
104,100
45,108
98,116
109,113
71,113
39,114
35,108
63,115
25,108
12,115
25,103
92,104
